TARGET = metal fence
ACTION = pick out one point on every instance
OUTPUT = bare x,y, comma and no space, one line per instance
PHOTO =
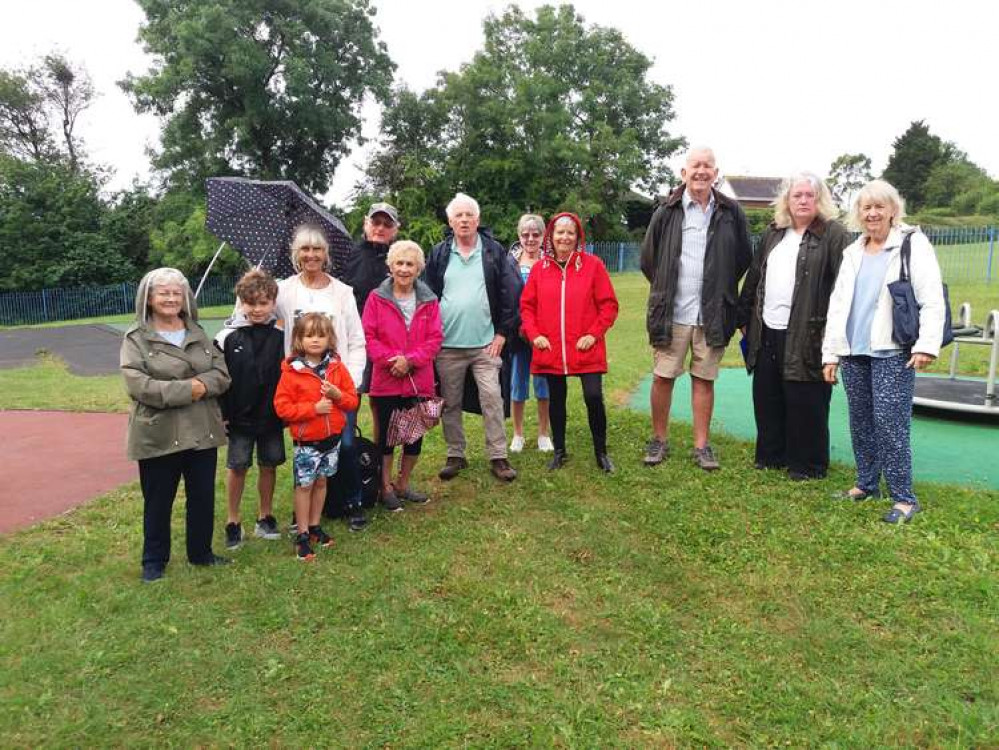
965,253
27,308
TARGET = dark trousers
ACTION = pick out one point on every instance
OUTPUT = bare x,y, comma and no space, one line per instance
348,468
384,407
593,397
159,478
792,417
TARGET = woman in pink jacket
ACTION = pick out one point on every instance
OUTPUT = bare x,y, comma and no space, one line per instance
402,328
567,307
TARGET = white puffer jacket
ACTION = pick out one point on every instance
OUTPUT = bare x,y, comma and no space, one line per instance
924,273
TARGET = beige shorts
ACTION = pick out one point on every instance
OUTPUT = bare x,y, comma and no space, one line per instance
667,362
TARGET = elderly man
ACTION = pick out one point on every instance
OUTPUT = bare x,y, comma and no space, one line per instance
479,292
694,253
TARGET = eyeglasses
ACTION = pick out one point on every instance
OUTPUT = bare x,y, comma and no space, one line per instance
530,235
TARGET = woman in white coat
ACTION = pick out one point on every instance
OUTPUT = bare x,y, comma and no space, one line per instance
880,375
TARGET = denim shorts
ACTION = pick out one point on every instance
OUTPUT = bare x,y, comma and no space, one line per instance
310,463
270,449
520,379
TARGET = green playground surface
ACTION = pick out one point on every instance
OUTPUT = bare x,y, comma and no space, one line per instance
943,450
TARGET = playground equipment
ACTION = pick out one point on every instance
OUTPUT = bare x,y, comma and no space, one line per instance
964,396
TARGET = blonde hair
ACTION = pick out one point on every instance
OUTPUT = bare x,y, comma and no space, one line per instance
406,247
312,324
877,190
309,235
824,205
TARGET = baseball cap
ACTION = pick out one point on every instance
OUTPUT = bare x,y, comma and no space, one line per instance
383,208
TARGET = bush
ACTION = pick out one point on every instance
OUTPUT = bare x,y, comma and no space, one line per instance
989,206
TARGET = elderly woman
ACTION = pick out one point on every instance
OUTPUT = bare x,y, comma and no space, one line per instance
880,375
402,325
782,310
312,289
567,307
174,376
530,230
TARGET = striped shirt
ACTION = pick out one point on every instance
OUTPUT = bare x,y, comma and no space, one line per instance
687,303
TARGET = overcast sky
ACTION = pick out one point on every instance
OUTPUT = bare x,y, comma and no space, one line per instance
773,85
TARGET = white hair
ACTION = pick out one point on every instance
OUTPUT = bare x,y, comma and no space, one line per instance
461,199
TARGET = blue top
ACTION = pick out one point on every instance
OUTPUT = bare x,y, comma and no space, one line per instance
465,303
867,289
174,337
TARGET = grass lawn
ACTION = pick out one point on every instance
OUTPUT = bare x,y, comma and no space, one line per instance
652,608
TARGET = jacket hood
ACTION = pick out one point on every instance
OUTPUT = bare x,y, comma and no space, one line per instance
157,277
548,249
423,291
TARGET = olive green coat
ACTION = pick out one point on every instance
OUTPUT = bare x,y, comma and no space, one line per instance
164,418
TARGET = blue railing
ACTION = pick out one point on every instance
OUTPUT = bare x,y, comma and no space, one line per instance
965,253
27,308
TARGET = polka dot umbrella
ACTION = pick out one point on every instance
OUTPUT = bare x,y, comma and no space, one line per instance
258,218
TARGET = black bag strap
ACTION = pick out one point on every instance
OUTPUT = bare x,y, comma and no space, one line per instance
906,256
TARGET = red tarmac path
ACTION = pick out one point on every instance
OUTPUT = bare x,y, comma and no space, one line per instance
52,462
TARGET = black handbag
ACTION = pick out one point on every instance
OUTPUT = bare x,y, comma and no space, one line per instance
905,309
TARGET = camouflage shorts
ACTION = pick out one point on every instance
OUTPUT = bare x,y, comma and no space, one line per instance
311,462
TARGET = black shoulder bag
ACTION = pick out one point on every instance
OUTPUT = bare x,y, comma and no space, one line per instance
905,309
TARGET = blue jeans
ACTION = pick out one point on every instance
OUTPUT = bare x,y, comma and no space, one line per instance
879,395
521,380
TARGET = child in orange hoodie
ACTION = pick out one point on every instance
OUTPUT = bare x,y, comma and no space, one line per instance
314,390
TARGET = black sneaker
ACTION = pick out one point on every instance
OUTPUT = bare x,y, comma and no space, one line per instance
233,535
357,521
391,501
303,550
151,572
267,528
412,496
318,536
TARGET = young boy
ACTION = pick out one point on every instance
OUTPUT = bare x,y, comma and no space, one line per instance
253,349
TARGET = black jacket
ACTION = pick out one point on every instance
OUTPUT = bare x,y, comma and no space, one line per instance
726,259
253,354
819,257
503,284
366,269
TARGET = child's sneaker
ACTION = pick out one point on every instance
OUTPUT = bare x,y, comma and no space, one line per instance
233,535
320,537
357,521
267,528
303,550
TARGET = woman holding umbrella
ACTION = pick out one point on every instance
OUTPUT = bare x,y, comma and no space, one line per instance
313,289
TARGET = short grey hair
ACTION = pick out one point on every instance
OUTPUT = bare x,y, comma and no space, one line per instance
308,235
877,190
531,220
823,198
406,247
460,198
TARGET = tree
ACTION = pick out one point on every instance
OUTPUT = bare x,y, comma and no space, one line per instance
917,152
847,174
50,228
68,90
948,179
550,114
24,131
256,87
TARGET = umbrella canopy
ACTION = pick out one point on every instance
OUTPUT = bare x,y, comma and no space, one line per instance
258,218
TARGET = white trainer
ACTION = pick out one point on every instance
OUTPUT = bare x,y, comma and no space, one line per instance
545,444
517,444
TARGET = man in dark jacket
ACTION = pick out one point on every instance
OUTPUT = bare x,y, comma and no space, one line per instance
366,268
695,252
479,293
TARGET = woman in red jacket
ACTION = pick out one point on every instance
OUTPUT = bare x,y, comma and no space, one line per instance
402,328
567,307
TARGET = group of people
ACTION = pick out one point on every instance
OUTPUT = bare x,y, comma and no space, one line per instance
403,327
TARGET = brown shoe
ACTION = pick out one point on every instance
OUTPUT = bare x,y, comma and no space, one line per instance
452,466
705,458
502,470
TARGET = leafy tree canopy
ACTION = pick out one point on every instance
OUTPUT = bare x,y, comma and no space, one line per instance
847,174
551,114
917,152
259,88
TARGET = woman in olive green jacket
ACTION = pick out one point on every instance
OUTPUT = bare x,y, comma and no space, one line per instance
174,376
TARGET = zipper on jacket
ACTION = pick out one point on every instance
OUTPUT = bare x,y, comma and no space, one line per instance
565,361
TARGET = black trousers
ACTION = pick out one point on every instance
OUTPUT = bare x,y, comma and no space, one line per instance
159,478
593,397
384,407
792,417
